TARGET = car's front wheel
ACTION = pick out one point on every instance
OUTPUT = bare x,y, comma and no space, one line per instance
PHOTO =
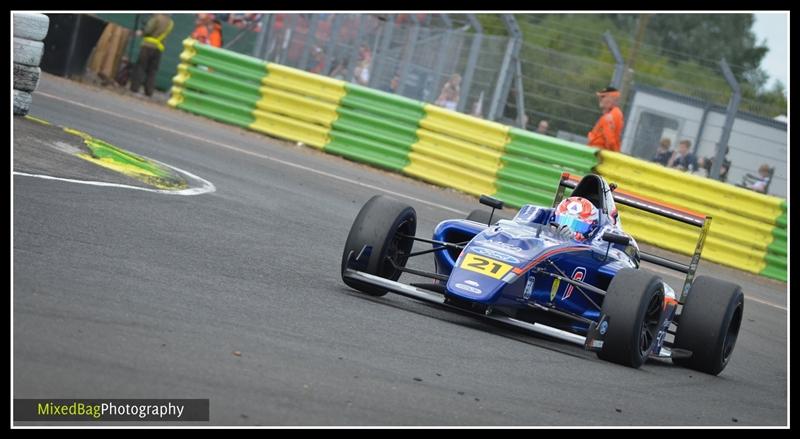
632,307
382,229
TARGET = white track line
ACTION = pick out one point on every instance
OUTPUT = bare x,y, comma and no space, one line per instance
207,187
255,154
765,302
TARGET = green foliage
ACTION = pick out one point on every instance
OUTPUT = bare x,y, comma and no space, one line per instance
565,60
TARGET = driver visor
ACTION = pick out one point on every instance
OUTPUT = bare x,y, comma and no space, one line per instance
574,224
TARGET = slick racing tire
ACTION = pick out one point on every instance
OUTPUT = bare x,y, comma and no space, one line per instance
26,78
22,103
378,226
633,305
709,324
31,26
27,52
480,216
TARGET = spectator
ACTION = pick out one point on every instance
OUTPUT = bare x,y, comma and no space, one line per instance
723,169
362,68
208,30
544,125
663,153
477,107
319,60
451,91
393,84
703,167
242,21
682,159
155,32
607,132
339,70
761,183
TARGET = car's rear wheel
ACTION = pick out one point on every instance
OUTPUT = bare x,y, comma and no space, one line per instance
633,306
709,324
382,225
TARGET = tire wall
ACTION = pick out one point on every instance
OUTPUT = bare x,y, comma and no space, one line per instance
29,31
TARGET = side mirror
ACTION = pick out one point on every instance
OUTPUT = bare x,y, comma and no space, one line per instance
494,203
616,239
612,186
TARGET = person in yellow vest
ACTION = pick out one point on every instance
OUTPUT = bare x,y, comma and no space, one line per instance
155,32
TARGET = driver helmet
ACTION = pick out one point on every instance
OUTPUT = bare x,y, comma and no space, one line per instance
579,215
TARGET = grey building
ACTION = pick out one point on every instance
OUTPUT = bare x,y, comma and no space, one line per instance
653,114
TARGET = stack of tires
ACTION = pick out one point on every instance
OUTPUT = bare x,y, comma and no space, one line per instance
29,31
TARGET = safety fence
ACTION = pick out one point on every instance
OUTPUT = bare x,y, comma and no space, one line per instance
469,154
748,229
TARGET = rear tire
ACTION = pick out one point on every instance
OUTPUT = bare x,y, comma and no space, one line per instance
377,226
709,324
479,216
633,303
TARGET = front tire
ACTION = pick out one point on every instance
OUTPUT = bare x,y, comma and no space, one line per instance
709,324
633,303
377,226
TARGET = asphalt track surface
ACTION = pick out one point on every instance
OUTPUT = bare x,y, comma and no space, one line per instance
120,293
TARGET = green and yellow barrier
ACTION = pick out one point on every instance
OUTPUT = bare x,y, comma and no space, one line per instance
745,230
472,155
375,127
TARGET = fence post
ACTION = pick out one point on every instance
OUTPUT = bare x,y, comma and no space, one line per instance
520,96
262,37
506,73
472,60
377,66
352,62
501,78
439,67
330,52
730,116
619,66
409,55
284,52
311,39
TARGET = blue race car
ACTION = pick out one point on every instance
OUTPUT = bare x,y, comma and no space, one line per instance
568,271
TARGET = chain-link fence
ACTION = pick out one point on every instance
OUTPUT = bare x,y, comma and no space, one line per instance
418,55
411,55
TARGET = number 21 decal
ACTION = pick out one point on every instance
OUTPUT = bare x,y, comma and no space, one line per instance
485,266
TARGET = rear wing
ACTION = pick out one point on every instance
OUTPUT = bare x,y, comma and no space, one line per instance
695,219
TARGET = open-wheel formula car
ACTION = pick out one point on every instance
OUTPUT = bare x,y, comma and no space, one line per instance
568,271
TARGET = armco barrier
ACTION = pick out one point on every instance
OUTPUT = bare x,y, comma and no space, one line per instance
533,163
375,127
457,151
776,251
248,92
471,154
744,224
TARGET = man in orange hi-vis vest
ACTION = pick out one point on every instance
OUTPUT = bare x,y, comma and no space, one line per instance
607,132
